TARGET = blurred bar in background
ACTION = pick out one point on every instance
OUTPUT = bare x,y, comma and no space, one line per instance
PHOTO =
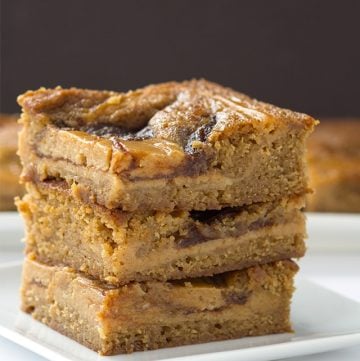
9,162
334,166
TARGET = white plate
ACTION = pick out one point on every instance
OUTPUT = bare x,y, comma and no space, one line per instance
323,321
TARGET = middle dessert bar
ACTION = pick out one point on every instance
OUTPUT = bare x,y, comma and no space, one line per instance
118,247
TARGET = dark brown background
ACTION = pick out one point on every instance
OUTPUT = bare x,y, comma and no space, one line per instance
299,54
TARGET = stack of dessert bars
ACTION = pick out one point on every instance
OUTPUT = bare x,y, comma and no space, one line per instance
162,216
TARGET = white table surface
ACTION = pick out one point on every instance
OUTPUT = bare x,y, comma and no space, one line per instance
336,270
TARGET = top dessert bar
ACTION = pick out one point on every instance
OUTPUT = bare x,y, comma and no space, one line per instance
190,145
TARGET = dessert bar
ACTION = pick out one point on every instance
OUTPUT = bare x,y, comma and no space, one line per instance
150,315
191,146
118,247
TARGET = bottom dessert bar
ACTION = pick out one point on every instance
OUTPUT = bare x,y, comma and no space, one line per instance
151,315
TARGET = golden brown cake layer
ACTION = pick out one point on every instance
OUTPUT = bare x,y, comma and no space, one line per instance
10,168
190,145
118,247
334,166
151,315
